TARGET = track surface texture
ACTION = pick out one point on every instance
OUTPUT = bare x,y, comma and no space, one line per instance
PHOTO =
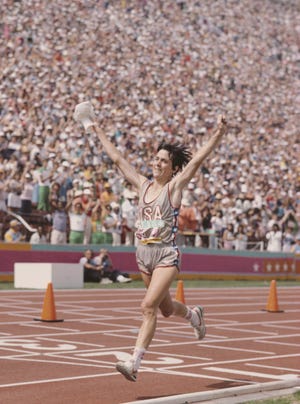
246,349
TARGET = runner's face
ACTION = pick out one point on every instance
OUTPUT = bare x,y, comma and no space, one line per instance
162,165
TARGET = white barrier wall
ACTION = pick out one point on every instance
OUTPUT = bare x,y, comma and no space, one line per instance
35,275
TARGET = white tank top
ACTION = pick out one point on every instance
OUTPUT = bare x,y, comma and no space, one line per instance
157,220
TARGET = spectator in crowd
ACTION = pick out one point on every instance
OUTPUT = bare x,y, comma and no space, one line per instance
128,216
98,182
274,239
104,262
296,247
13,193
3,206
115,226
88,204
240,238
64,178
206,218
14,234
98,236
107,196
54,196
26,192
77,220
75,190
60,221
289,220
217,227
254,238
288,239
228,237
91,271
189,194
187,224
88,173
44,182
109,221
39,237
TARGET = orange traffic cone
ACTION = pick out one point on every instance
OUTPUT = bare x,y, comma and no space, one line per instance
180,292
48,312
272,304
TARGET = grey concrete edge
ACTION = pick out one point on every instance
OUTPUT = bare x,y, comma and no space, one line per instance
225,393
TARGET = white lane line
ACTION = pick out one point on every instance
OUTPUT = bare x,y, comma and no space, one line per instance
220,338
262,358
256,365
284,327
63,379
124,356
197,375
223,321
278,343
280,323
68,361
13,353
235,313
255,374
264,323
262,338
70,334
198,358
77,344
202,344
39,325
245,330
230,362
134,334
240,349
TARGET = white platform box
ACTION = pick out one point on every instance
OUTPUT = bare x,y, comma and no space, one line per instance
37,275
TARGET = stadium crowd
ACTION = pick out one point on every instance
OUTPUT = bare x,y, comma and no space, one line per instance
154,70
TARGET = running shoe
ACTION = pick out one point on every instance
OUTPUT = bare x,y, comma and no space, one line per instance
199,329
127,370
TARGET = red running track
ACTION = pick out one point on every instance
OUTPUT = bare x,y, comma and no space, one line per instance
74,361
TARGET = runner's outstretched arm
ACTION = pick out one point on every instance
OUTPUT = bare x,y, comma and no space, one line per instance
85,115
188,172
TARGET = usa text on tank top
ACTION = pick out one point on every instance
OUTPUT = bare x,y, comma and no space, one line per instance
157,219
